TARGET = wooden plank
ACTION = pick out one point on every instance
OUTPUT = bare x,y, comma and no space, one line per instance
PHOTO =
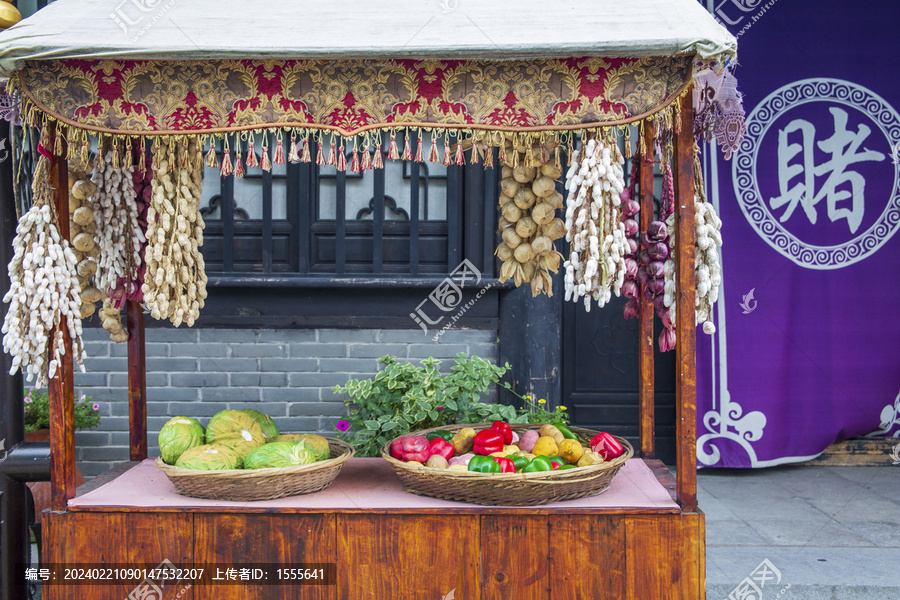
591,558
91,541
137,381
367,548
154,539
414,189
663,557
685,326
856,452
439,555
378,224
646,391
515,556
61,387
293,540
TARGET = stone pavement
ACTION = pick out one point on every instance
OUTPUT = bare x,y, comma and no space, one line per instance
832,532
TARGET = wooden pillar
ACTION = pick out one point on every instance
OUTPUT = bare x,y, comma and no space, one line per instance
137,382
62,387
685,320
646,390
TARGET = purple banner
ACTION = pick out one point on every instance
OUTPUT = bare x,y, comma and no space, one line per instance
806,349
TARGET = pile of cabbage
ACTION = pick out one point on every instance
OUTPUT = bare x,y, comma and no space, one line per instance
237,439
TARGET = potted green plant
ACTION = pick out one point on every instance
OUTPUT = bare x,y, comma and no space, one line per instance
37,414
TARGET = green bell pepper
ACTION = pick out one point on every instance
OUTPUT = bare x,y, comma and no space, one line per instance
520,461
558,460
441,433
567,433
537,464
484,464
566,467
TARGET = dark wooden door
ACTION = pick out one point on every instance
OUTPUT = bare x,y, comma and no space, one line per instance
600,375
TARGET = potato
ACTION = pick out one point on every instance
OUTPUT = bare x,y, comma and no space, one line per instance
437,462
545,446
526,442
589,458
463,440
551,431
571,450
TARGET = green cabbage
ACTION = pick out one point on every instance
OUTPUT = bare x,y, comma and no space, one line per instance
210,457
279,454
178,435
270,430
235,429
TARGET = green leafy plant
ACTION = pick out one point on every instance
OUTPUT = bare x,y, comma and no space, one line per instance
37,411
535,411
404,397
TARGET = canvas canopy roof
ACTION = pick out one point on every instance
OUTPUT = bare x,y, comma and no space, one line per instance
446,29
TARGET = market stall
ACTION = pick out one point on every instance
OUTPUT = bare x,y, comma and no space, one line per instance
512,87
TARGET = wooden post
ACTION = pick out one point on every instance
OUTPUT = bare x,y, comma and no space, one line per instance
685,320
646,384
62,387
137,382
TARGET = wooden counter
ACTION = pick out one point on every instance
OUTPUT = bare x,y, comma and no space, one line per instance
396,545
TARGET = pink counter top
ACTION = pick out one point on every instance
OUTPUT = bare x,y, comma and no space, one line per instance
364,484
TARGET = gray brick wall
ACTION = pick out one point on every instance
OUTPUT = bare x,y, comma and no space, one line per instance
286,374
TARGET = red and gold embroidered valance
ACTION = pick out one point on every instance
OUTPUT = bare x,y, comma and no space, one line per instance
349,97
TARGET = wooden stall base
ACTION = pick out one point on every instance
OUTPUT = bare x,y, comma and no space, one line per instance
490,554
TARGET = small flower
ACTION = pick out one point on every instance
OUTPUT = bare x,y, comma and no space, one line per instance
83,397
27,400
529,398
542,401
563,408
342,425
96,406
440,408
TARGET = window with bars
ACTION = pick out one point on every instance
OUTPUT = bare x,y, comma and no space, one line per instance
303,221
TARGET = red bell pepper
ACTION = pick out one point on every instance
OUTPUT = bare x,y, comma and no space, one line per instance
503,428
441,447
487,442
607,446
397,448
415,447
506,465
555,465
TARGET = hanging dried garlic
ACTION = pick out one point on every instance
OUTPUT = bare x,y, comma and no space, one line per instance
596,267
528,222
175,283
116,216
44,288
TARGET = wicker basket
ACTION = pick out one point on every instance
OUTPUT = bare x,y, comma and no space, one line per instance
508,489
239,485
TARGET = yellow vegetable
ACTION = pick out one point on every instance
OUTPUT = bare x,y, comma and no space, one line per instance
463,440
511,449
571,450
501,454
551,431
545,446
457,468
590,458
437,462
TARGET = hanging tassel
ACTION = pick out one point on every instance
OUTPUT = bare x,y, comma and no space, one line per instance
86,148
447,159
420,151
628,152
557,162
460,156
475,152
543,154
251,156
502,153
226,164
488,157
212,161
238,165
434,156
366,162
515,158
407,152
306,156
320,157
377,161
265,164
294,152
354,163
279,152
342,160
129,162
332,157
393,154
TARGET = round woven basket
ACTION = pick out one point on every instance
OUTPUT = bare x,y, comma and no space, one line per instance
240,485
508,489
